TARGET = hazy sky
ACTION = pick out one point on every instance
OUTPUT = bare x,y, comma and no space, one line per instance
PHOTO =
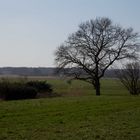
31,30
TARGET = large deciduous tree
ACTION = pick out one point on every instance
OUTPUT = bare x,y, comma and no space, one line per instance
96,45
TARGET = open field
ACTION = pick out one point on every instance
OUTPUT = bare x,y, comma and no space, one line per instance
111,87
113,116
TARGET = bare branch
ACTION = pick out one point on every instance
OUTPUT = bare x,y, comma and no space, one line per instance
95,47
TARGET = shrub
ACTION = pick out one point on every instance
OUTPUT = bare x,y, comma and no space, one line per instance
129,76
41,86
10,90
14,91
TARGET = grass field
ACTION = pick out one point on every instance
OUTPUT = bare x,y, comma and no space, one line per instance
110,87
113,116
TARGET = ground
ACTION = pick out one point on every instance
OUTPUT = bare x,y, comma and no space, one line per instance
112,116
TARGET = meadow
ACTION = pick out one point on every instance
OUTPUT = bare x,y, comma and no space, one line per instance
77,115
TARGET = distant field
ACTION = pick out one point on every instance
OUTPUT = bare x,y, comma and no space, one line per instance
78,88
77,115
111,87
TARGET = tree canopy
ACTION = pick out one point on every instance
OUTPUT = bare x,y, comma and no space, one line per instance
95,47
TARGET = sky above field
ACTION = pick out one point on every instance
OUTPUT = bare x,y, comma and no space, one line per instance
31,30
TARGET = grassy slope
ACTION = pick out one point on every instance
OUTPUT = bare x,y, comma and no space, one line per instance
73,118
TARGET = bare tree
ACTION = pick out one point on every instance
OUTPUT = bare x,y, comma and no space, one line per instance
129,76
94,48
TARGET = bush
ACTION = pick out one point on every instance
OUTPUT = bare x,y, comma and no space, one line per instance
10,90
14,91
41,86
129,76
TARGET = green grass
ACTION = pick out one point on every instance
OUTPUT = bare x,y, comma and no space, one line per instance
77,88
71,118
115,115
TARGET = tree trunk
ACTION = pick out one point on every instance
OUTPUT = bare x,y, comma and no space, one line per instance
97,87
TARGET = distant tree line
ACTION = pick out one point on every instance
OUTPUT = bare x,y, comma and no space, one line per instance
44,71
27,71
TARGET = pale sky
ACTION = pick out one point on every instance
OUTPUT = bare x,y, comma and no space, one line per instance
31,30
